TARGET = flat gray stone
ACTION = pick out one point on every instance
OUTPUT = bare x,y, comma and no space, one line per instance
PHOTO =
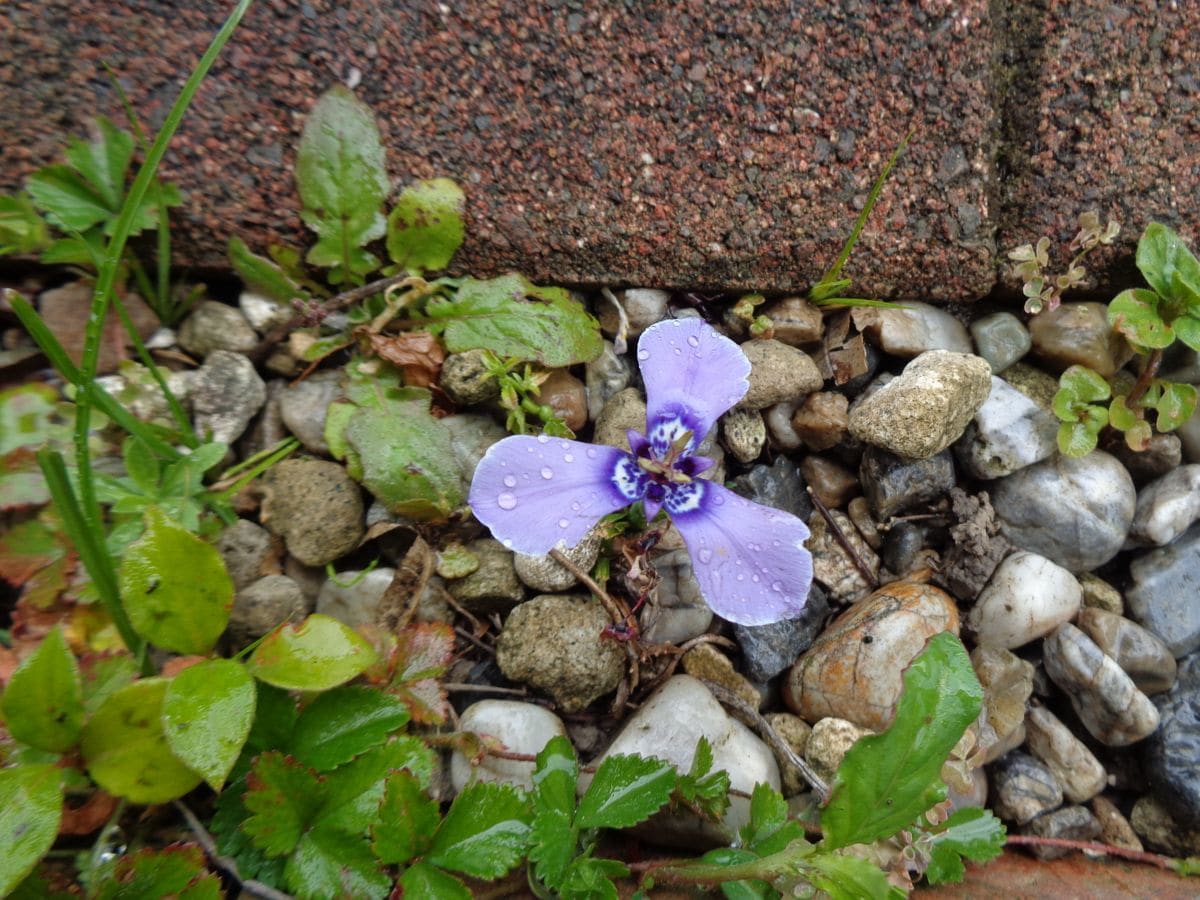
1162,597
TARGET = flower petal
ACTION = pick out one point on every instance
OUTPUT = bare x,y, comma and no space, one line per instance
749,559
692,373
533,492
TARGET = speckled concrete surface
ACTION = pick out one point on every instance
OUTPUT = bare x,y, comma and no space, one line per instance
657,143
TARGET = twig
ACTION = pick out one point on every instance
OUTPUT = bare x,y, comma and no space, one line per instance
1153,859
225,863
1149,370
863,569
463,687
467,636
615,613
755,720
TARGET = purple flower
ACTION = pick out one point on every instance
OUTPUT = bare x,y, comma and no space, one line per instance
750,561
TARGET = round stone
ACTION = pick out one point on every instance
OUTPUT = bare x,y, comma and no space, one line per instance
520,727
1027,598
1001,339
315,506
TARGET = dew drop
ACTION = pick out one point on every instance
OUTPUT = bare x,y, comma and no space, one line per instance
693,340
564,445
678,352
776,542
507,542
741,577
591,452
643,355
543,438
568,457
704,555
510,480
506,501
755,579
563,523
777,587
576,506
547,472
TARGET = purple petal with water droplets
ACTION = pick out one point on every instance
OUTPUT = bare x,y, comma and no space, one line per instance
749,559
687,364
533,492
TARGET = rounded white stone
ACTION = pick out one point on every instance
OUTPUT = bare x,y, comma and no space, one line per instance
1027,597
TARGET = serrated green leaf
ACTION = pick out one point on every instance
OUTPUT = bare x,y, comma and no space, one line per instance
344,722
263,275
971,832
626,790
178,871
354,792
516,319
849,878
43,702
1187,329
555,776
423,651
126,750
342,181
407,820
485,831
103,162
283,798
22,230
331,863
318,654
553,843
1135,314
588,878
401,453
1084,384
769,829
66,199
234,842
1175,406
1167,264
701,789
175,588
30,811
425,227
207,712
425,882
887,780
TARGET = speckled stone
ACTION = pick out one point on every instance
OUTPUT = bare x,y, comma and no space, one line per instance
795,733
853,671
555,643
216,326
744,434
1023,788
1072,823
1142,655
315,506
832,566
1106,700
708,663
828,743
226,394
925,409
599,145
778,372
769,649
1099,594
1007,682
1156,826
248,552
465,378
494,586
1115,829
1073,764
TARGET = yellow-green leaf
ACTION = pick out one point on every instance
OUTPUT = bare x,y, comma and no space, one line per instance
43,703
318,654
207,713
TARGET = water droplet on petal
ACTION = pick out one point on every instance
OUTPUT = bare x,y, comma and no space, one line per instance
576,505
563,523
591,452
568,457
704,555
678,352
547,472
755,579
694,341
506,501
510,480
543,439
507,542
741,577
777,587
643,355
776,542
564,445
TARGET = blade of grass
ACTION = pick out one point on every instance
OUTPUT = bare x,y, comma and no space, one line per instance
101,399
92,551
835,270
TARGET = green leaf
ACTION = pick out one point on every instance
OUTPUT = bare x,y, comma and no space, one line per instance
1138,437
30,811
1083,384
331,863
66,199
43,703
275,716
207,712
625,791
553,837
1120,416
263,275
344,722
353,792
971,832
126,750
400,452
518,320
887,780
1175,406
318,654
342,180
1167,264
178,871
407,820
176,590
849,878
233,841
425,227
1187,329
105,676
591,879
22,230
769,829
701,788
283,798
1134,313
423,651
484,833
104,162
425,882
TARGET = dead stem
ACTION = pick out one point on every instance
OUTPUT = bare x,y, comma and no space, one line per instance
752,717
1153,859
863,569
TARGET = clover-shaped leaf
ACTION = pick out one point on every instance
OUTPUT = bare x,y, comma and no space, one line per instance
1175,406
1168,265
1135,313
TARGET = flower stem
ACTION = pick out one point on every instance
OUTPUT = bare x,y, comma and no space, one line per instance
1149,370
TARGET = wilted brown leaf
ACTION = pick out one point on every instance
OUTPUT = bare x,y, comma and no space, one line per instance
416,353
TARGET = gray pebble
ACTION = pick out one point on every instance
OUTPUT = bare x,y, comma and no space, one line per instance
778,373
1142,655
1073,764
1001,339
246,549
315,506
303,406
261,606
1166,507
1172,756
494,586
1162,596
465,379
1022,789
216,326
604,376
769,649
226,394
894,484
1009,432
1074,823
779,485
